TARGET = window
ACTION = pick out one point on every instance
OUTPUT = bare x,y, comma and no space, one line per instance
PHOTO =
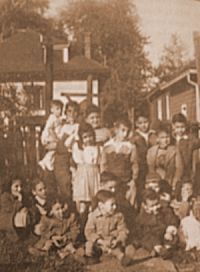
167,107
159,109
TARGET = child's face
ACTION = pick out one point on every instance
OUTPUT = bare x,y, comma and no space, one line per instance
110,186
56,110
109,207
87,139
71,113
179,128
57,211
40,191
142,124
163,139
186,191
151,204
93,119
16,187
121,132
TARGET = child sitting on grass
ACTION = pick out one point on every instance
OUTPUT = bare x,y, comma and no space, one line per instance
105,231
13,214
58,230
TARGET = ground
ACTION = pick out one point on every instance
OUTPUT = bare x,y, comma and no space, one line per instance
15,258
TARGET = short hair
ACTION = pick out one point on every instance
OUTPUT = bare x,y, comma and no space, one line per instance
179,117
165,187
103,196
72,104
35,182
123,120
92,109
149,194
163,127
142,113
108,176
56,103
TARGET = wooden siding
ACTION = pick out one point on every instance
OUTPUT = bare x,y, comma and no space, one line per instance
186,97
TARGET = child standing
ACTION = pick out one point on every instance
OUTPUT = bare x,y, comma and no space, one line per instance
164,158
102,134
106,229
186,145
87,177
50,134
142,141
63,151
120,158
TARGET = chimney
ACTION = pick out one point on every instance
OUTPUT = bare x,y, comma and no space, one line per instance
87,45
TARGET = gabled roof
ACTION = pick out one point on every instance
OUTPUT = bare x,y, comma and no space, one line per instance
22,52
80,65
23,55
180,75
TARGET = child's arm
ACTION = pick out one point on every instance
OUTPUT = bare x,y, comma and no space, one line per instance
90,229
178,169
103,161
74,228
151,158
122,231
134,161
195,143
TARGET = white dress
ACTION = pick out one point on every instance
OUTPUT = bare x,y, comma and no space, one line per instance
87,177
190,227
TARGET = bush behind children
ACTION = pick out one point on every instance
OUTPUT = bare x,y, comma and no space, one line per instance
96,187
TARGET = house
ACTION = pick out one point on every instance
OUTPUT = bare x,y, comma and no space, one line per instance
46,71
180,94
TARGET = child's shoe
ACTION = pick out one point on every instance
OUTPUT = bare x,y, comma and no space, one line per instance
126,261
37,252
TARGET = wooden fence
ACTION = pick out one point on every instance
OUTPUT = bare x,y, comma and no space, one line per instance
20,147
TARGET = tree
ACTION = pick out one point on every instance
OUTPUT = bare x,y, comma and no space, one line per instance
15,14
173,59
116,40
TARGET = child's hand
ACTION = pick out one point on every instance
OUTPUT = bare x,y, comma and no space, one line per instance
19,196
131,192
113,243
58,240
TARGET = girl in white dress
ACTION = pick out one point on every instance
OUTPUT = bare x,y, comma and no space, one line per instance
86,155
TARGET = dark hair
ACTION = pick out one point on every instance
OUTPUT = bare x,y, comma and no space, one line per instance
56,103
35,182
108,176
92,109
163,127
7,185
142,113
85,128
102,196
179,117
57,199
149,194
74,105
165,187
123,120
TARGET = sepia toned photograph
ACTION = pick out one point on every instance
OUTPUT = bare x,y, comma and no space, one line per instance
99,136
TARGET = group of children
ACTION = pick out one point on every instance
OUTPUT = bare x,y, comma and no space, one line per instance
107,191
